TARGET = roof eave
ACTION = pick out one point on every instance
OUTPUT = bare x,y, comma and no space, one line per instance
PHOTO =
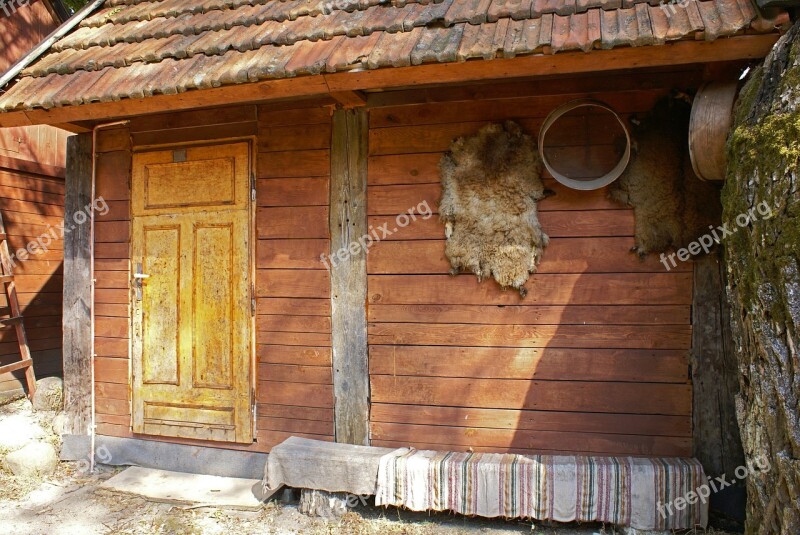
565,63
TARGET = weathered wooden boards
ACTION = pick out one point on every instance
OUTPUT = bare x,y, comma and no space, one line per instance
77,289
594,359
32,199
33,206
26,29
348,223
294,385
295,389
715,383
112,276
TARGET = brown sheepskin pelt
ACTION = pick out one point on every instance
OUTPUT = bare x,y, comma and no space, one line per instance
672,207
490,184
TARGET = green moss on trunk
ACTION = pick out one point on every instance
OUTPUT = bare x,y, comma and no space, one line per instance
764,281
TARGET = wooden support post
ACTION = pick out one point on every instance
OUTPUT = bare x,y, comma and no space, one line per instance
327,505
348,265
715,379
77,288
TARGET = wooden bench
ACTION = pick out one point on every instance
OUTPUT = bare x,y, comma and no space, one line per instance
330,475
638,492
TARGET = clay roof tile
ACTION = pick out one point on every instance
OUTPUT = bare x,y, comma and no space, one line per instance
135,48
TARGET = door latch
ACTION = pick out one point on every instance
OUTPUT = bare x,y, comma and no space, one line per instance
138,280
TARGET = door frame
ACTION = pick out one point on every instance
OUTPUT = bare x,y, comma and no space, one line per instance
252,143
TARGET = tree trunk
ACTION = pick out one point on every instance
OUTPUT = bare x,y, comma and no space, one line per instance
764,283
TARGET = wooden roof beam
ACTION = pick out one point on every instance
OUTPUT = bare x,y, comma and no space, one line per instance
672,54
681,77
73,127
350,99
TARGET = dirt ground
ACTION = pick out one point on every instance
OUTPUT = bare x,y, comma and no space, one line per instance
69,501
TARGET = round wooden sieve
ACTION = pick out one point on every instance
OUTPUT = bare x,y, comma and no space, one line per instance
584,185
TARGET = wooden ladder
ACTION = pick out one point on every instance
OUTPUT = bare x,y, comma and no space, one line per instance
14,313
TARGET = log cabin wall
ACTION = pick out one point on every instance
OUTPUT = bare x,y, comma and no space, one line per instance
32,161
112,287
294,393
593,360
23,25
42,144
32,205
32,170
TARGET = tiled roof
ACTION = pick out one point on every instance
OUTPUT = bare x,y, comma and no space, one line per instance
136,48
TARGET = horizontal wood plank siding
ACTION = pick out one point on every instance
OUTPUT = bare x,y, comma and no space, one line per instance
295,383
24,26
293,375
593,360
32,206
112,286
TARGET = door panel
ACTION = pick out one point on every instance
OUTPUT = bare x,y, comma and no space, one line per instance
215,304
165,184
192,331
197,179
161,259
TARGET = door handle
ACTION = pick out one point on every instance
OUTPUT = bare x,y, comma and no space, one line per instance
138,279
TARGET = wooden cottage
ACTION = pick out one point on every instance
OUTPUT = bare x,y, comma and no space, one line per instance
243,147
32,168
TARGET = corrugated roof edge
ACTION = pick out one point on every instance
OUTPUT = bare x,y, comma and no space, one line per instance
42,47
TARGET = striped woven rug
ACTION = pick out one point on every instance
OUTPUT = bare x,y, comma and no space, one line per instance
627,491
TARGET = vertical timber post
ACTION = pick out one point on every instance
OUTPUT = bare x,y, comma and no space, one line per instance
715,383
348,223
77,288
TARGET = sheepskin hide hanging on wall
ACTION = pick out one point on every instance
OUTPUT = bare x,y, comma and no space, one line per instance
490,185
672,207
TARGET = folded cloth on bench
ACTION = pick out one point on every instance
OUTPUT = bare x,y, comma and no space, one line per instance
628,491
314,464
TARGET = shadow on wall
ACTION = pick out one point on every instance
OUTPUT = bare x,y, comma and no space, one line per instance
33,210
22,27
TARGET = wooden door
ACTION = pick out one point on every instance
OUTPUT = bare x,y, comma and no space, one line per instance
192,304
